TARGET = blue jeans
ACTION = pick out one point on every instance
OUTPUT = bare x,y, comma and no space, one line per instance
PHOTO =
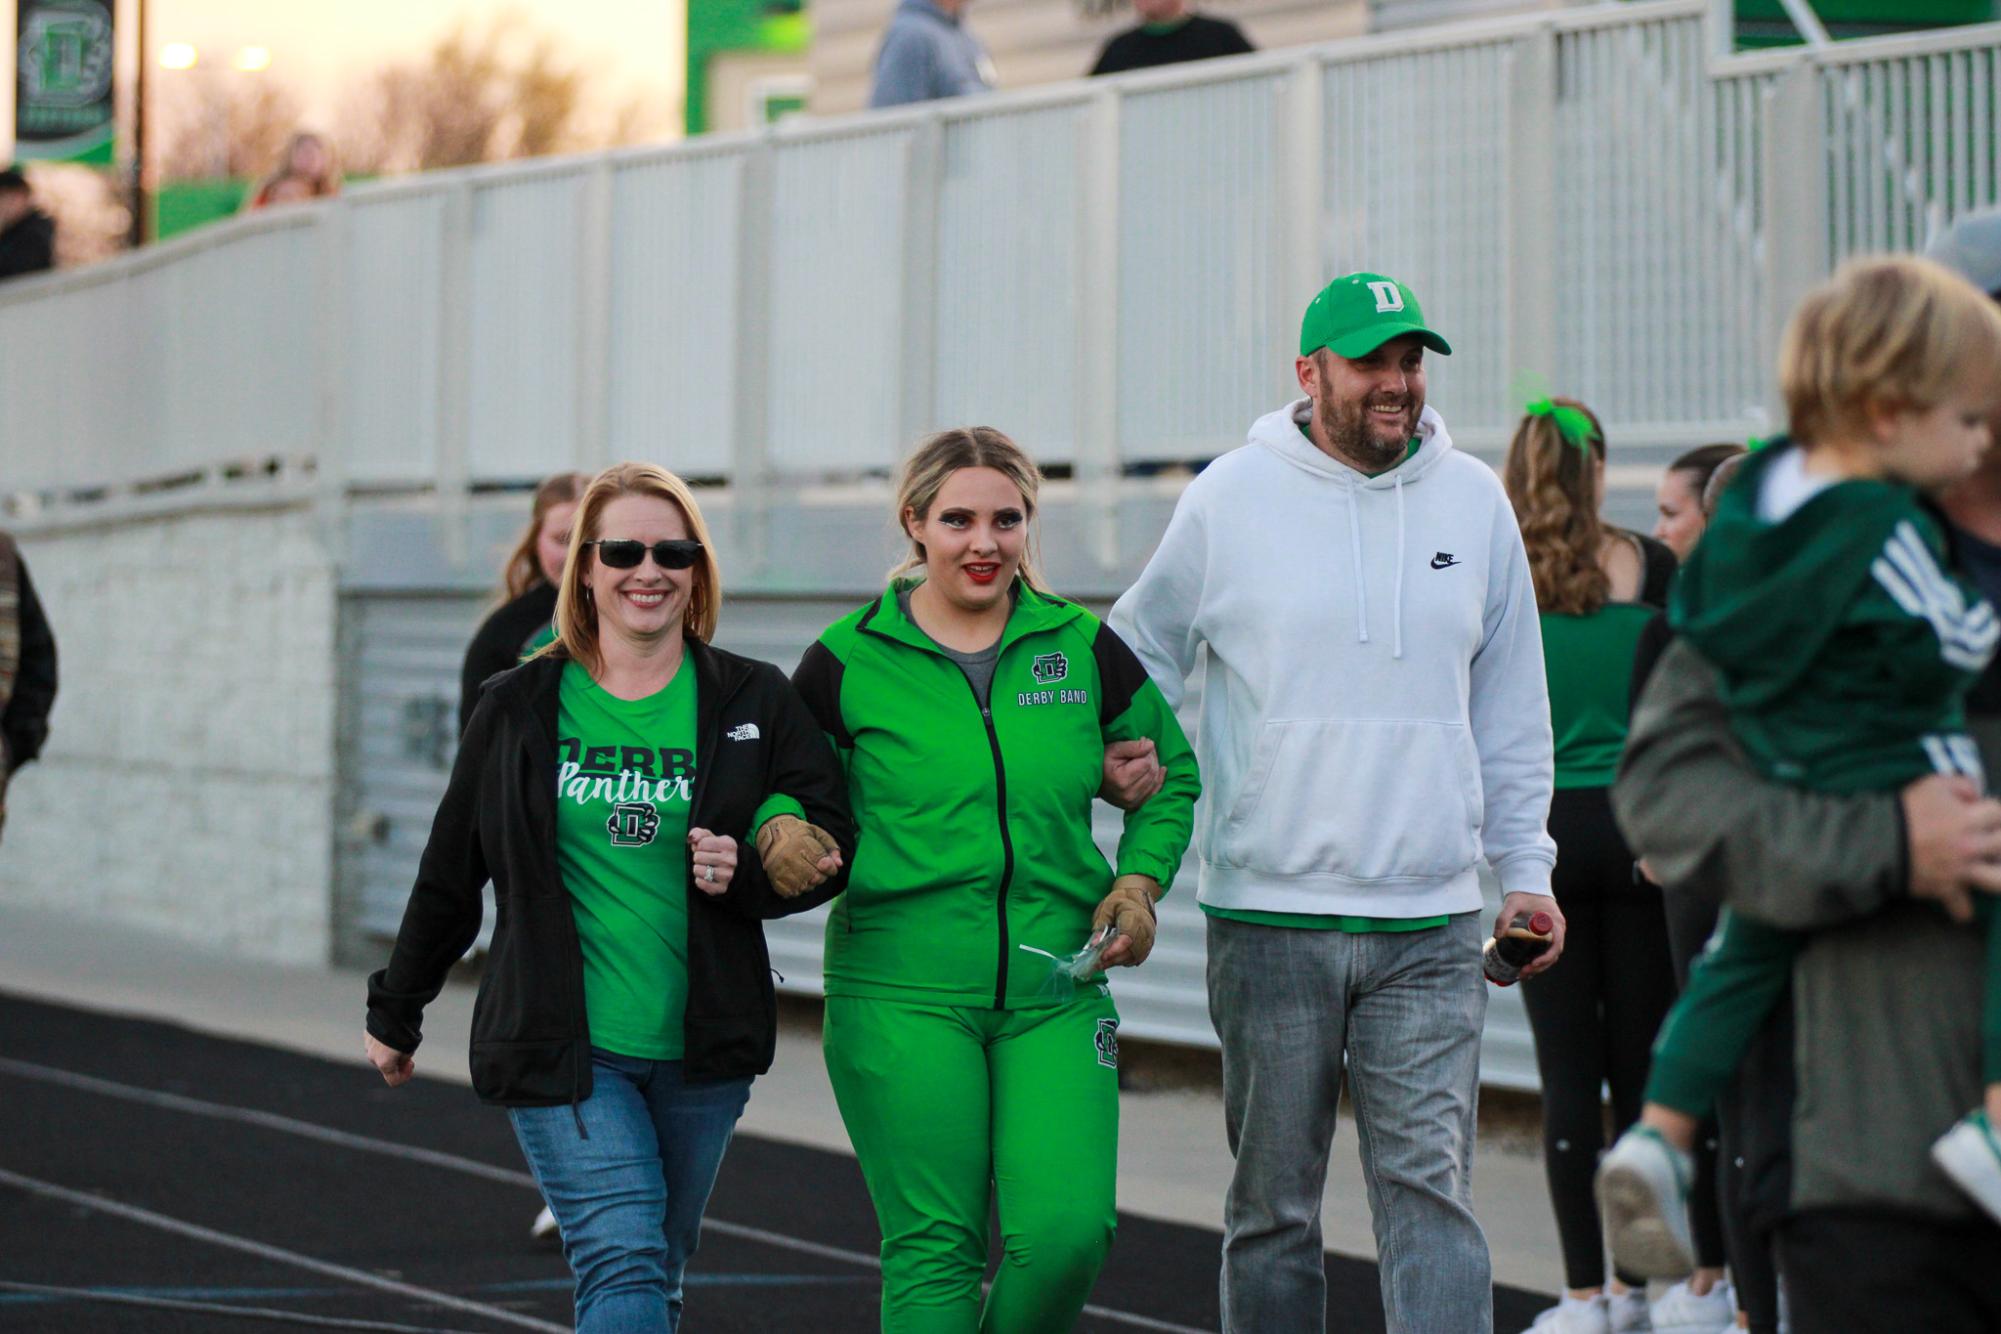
1405,1009
628,1193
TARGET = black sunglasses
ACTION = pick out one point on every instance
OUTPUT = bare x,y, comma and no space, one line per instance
626,553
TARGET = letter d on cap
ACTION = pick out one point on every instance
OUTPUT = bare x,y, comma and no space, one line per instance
1388,298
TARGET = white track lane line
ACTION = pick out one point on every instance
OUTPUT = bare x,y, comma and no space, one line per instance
469,1166
229,1241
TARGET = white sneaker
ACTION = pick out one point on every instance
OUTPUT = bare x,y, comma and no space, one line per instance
544,1227
1626,1312
1643,1197
1970,1153
1680,1311
1574,1315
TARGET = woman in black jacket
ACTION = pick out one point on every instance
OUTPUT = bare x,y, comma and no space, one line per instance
627,1000
525,621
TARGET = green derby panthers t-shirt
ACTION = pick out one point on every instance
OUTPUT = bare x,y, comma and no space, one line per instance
625,776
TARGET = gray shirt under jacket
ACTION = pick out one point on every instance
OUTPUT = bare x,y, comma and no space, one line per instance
927,54
1887,991
978,667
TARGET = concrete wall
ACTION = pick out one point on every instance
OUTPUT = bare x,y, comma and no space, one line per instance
187,784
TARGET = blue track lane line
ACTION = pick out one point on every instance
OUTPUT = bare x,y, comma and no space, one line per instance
470,1167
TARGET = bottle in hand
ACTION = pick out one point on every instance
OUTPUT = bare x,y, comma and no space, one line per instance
1514,948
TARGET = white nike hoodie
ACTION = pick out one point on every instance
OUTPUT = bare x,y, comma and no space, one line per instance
1375,717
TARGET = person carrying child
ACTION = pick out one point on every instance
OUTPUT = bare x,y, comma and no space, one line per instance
1844,649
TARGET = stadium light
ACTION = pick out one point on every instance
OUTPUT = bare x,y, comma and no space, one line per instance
253,59
178,55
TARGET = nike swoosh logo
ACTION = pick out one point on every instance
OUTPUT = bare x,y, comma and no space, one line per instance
1443,559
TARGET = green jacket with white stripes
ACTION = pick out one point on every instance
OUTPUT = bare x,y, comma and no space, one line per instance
1843,645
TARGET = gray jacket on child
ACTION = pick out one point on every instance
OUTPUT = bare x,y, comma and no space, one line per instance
1887,993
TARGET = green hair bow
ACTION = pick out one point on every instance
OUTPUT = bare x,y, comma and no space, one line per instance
1573,424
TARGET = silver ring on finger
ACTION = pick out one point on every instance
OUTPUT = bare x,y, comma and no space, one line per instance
709,874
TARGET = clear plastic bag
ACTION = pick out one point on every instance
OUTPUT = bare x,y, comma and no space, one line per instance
1067,974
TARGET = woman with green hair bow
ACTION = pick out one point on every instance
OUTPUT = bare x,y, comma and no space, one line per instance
1595,1015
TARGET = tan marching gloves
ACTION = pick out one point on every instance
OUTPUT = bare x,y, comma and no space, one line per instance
791,849
1130,908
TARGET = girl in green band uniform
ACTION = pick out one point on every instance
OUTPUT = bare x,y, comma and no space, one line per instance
971,710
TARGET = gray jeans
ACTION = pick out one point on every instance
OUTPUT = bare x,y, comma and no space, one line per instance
1406,1009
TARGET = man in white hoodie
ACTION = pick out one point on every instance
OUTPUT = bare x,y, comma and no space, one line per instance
1374,722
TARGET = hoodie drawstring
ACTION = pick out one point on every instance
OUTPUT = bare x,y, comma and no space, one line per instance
1355,553
1400,561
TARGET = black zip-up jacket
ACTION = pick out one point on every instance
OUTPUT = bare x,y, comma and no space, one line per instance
24,717
29,246
530,1034
497,645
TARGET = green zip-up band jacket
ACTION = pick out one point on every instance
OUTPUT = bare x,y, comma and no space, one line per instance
975,824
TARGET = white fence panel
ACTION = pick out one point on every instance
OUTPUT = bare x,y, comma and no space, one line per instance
394,274
58,424
836,347
1415,185
1202,347
233,332
1657,285
522,412
676,224
1731,370
1912,143
1009,277
1112,271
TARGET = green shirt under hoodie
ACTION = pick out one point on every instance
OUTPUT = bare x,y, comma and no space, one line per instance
975,823
1843,646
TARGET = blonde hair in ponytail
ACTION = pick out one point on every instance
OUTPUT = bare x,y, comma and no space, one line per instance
1553,485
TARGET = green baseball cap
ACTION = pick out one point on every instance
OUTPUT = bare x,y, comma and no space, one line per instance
1356,314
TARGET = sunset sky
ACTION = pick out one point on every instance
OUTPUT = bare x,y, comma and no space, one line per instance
318,46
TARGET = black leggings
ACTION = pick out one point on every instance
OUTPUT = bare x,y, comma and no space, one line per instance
1757,1116
1594,1014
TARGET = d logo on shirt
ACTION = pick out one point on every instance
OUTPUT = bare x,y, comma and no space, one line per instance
633,824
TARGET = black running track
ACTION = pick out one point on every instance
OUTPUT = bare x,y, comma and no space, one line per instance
156,1179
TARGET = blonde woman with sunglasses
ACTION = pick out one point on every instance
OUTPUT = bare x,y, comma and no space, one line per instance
607,787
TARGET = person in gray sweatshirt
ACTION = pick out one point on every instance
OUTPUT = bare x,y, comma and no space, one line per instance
927,53
1375,724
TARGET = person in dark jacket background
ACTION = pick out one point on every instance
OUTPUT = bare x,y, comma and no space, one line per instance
1169,33
527,619
27,235
627,1000
27,668
523,623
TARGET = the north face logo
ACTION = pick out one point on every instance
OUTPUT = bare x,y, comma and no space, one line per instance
743,732
1108,1043
1050,668
633,824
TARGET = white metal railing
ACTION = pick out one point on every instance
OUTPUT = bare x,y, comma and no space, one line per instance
1113,270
